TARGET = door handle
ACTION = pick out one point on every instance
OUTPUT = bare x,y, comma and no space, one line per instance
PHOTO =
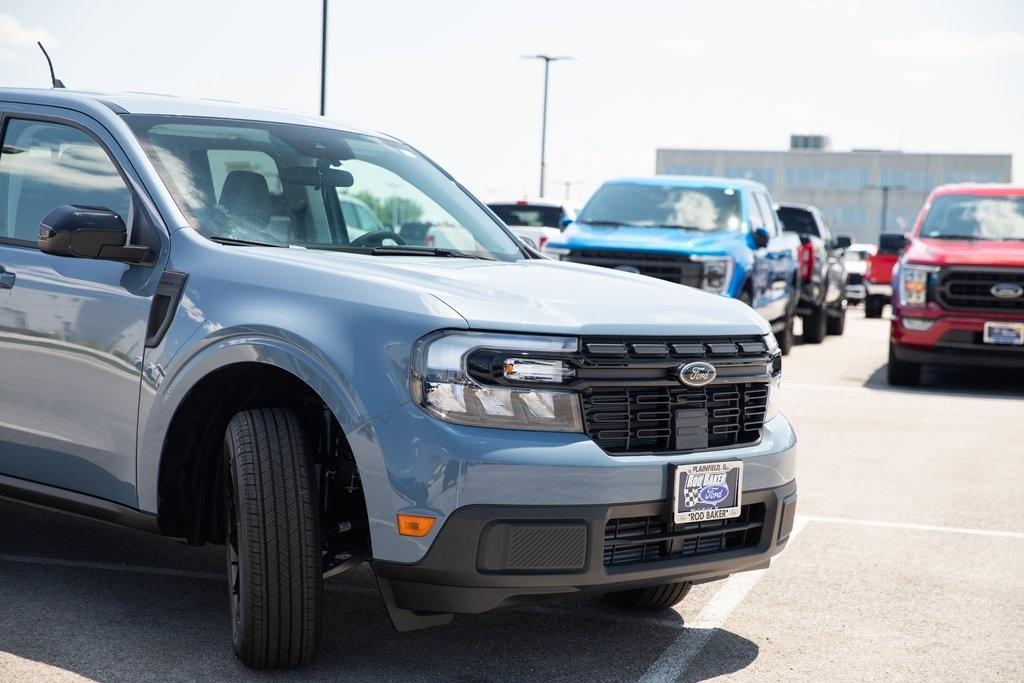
6,278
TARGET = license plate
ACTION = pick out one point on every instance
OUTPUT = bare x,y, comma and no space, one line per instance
1010,334
707,491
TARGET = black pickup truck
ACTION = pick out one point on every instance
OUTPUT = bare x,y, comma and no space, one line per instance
822,271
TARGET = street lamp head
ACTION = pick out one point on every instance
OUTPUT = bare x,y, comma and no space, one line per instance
548,58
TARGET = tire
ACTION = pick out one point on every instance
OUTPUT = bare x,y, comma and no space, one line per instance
786,337
873,306
816,325
900,373
275,573
650,597
837,320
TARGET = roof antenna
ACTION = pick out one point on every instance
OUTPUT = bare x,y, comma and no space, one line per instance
57,83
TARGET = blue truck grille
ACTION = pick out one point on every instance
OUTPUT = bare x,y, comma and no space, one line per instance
679,269
636,540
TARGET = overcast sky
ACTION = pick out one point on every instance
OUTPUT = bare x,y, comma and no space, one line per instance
447,76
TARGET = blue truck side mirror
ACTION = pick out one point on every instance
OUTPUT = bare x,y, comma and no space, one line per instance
564,222
760,237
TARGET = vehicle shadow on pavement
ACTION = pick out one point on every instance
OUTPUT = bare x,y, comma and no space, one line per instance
968,382
93,601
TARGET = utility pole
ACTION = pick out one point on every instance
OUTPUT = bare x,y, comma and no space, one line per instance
544,112
885,199
323,60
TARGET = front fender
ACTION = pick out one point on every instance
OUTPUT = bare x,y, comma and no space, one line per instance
164,389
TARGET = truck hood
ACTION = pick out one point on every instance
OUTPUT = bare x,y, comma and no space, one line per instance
966,252
538,295
584,236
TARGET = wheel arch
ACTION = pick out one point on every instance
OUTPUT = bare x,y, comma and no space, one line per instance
187,415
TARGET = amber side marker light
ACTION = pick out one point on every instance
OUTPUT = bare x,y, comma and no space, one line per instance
415,525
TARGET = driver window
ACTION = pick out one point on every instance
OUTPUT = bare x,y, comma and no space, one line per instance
754,212
44,165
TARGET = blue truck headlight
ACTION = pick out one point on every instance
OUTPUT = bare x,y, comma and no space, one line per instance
716,273
440,382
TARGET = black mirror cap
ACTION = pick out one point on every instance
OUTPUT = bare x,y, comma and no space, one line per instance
761,237
843,241
891,242
87,232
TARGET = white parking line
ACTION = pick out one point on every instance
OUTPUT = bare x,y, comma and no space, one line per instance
696,635
917,527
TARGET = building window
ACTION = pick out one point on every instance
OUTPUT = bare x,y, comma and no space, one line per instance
689,169
910,180
761,174
814,178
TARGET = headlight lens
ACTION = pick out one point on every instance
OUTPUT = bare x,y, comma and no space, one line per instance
914,284
441,384
716,273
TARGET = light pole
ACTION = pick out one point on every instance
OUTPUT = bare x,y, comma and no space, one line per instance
544,113
885,198
323,60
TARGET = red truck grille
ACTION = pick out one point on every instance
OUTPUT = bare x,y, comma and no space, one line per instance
972,289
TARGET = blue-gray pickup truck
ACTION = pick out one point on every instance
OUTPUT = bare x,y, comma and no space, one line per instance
227,325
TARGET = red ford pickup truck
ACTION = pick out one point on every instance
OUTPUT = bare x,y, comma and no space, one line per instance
958,288
878,274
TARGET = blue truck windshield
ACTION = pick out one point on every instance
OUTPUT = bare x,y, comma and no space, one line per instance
708,209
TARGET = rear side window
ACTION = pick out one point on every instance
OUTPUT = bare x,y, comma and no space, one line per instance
798,220
44,165
754,212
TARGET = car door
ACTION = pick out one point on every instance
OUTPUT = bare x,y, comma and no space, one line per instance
780,259
836,269
72,331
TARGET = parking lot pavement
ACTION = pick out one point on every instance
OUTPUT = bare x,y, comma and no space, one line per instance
908,565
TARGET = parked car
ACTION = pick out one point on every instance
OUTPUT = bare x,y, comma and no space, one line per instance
450,236
878,274
960,283
717,234
822,271
537,220
855,257
359,218
482,426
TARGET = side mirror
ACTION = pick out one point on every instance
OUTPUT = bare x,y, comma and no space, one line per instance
564,222
843,241
891,242
88,232
760,237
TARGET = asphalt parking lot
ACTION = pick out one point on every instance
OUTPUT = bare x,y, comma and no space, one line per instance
908,564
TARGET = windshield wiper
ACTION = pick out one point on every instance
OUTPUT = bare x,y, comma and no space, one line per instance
241,243
399,250
603,222
953,237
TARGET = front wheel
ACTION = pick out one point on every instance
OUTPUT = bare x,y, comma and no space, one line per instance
873,306
816,325
900,373
786,336
837,320
275,573
650,597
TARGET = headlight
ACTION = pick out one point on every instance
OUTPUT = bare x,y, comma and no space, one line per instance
442,385
775,371
716,273
914,284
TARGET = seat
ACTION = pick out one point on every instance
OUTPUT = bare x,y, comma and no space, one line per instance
246,198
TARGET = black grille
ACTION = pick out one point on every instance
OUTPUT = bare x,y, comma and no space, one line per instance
679,269
652,420
635,540
972,289
855,279
641,407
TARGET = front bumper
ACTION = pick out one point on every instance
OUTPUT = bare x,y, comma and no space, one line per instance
856,292
878,289
489,556
951,339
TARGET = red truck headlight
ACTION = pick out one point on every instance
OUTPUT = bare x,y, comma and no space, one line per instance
914,284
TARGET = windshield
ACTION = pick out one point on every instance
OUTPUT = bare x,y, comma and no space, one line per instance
283,184
978,217
643,205
529,215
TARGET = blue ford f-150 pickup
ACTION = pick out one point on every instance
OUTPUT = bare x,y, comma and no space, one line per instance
718,234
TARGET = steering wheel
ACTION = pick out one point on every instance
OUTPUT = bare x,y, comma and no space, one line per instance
376,239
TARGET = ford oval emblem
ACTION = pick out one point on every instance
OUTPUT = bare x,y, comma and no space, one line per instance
1007,290
712,494
628,269
697,374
